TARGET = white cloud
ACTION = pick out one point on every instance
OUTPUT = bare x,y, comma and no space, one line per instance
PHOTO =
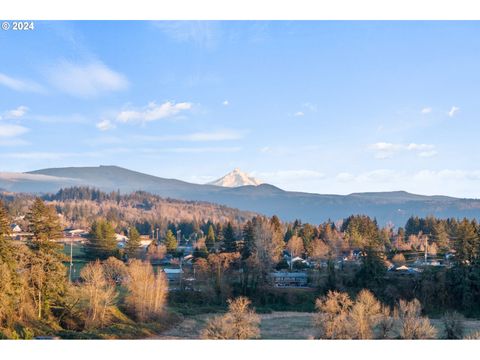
20,84
153,112
384,150
105,125
299,113
429,153
8,130
220,135
419,147
426,110
226,103
86,80
453,111
16,113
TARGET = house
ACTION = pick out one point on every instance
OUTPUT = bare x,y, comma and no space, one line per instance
289,279
76,233
144,243
121,240
174,277
14,228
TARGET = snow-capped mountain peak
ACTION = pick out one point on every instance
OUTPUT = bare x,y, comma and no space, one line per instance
236,178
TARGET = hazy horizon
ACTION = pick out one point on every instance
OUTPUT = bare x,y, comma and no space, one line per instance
319,107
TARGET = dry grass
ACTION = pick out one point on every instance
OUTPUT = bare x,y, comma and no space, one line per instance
278,325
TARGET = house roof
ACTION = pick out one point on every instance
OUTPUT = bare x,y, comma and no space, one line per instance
289,274
173,271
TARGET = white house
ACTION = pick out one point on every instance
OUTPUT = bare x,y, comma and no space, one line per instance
15,228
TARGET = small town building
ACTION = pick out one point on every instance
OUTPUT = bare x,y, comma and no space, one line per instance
289,279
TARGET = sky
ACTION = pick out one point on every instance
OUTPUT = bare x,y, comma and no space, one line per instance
325,107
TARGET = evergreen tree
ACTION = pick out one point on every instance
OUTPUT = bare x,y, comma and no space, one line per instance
102,241
44,223
210,240
47,274
133,243
170,241
466,242
229,239
248,239
219,233
289,233
6,251
331,275
373,269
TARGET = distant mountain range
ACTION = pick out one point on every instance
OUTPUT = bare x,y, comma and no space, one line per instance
236,178
267,199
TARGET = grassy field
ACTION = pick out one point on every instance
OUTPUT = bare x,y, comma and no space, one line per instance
277,326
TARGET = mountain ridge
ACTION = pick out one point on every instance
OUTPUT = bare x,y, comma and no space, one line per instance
395,206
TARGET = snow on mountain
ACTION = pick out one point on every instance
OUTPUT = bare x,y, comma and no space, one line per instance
236,178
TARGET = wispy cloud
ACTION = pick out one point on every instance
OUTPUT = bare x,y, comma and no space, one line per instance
426,110
13,142
311,107
8,130
201,33
226,103
284,175
196,150
45,155
385,150
20,85
453,111
306,107
220,135
153,112
87,79
15,113
105,125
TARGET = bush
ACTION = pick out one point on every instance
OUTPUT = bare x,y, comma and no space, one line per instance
240,323
454,326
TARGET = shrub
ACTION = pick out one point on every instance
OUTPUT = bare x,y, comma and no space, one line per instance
454,326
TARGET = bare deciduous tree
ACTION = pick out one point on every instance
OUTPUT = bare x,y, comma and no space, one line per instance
413,325
386,321
147,290
333,315
239,323
364,315
98,295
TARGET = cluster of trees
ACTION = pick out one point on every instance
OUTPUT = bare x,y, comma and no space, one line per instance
36,297
81,206
340,317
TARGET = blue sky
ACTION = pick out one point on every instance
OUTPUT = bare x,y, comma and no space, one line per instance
327,107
